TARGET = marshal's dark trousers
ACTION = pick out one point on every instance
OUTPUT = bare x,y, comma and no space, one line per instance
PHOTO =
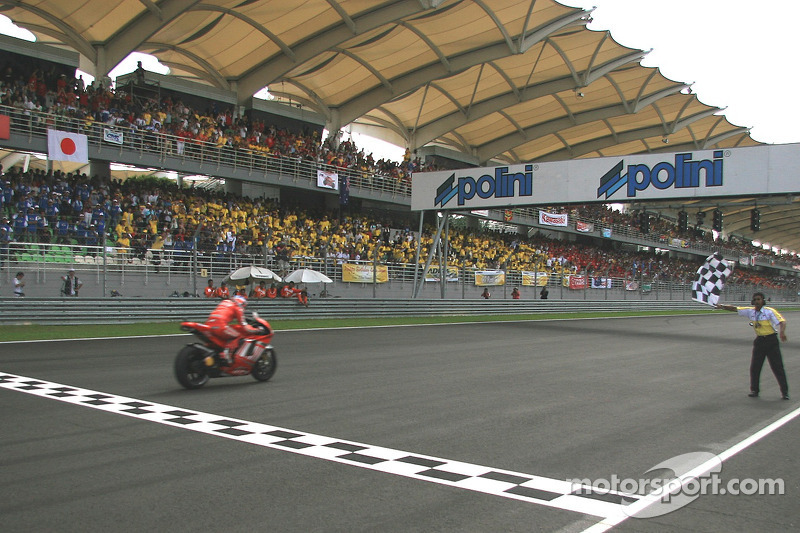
767,347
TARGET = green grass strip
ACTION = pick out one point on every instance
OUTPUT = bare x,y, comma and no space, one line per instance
38,332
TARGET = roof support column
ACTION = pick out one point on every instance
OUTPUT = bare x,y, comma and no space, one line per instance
334,127
101,69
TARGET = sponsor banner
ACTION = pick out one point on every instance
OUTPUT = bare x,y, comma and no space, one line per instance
606,232
631,285
327,180
552,219
678,243
66,146
535,279
508,214
586,227
490,278
5,127
574,281
690,174
745,260
601,283
434,273
363,273
112,136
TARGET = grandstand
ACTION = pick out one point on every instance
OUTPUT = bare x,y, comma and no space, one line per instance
267,158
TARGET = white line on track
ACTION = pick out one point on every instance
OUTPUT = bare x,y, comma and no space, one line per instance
284,331
528,488
656,497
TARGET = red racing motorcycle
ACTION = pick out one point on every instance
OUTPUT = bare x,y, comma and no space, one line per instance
198,362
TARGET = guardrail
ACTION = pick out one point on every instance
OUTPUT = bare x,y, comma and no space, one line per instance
74,311
29,129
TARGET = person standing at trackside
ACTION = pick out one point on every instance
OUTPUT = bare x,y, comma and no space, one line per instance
543,293
19,284
222,291
210,291
486,294
515,294
260,291
71,283
769,325
272,292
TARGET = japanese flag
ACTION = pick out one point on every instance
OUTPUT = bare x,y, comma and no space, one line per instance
65,146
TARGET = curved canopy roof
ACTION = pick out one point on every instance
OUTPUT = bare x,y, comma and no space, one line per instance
497,80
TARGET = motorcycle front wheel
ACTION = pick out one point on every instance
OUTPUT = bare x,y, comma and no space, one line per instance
190,370
266,365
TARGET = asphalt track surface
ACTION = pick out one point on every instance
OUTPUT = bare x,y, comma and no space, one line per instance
477,426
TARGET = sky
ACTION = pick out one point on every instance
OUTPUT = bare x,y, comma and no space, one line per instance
738,55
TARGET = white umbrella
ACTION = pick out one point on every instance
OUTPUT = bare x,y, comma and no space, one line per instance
306,275
251,274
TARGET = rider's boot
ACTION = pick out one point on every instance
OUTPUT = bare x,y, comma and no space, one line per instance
225,356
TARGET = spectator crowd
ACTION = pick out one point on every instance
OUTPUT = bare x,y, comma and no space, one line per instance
145,217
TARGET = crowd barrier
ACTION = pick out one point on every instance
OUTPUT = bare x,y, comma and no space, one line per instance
78,311
29,132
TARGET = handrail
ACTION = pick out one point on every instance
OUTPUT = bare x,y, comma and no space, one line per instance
74,311
107,268
171,150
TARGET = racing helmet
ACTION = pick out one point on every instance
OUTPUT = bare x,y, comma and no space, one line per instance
240,300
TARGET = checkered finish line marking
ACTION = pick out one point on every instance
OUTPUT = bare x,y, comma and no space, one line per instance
523,487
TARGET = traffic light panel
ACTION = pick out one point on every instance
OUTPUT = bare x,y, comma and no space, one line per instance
683,221
755,220
700,217
644,222
717,222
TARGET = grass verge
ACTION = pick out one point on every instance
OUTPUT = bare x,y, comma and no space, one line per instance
39,332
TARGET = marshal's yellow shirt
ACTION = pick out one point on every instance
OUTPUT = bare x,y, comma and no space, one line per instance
765,321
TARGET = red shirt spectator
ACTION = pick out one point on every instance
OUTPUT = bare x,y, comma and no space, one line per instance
222,291
210,291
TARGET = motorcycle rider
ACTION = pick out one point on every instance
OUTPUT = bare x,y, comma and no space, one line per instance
228,325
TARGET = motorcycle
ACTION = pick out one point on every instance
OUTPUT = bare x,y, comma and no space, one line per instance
198,362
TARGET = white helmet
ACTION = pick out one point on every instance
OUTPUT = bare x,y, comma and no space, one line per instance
240,300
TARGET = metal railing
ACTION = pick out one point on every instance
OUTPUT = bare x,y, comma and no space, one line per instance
176,152
66,311
187,271
133,144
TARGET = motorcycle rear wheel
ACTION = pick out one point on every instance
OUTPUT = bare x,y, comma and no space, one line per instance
190,370
266,365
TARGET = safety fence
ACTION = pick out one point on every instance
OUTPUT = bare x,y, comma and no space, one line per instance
154,273
76,311
133,146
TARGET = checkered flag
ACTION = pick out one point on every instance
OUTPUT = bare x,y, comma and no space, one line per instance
711,280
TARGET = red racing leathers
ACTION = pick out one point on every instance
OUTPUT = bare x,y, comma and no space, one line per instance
228,324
